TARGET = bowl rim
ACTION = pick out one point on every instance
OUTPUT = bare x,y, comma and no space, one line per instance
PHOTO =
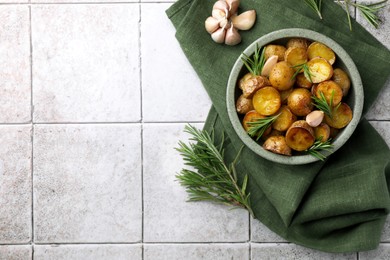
341,54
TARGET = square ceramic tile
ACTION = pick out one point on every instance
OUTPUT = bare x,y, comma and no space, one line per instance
260,233
383,31
15,184
15,252
86,63
87,183
171,90
88,252
293,252
167,215
196,251
381,253
15,75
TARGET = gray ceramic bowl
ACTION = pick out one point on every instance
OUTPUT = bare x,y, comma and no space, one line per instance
354,99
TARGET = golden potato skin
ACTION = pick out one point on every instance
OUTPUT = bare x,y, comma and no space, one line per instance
273,49
322,132
267,101
341,116
342,79
297,42
285,119
300,102
277,144
250,83
300,136
295,56
317,49
252,116
281,76
320,69
243,105
329,88
303,82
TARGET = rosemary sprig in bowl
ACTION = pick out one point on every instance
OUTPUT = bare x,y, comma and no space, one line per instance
260,125
255,64
323,105
318,147
211,178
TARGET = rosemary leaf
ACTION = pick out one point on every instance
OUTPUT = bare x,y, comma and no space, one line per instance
211,178
306,71
315,5
255,64
258,126
323,105
319,146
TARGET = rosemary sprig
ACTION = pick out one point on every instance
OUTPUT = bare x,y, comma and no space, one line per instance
258,126
255,64
315,5
318,146
368,11
323,105
212,179
306,71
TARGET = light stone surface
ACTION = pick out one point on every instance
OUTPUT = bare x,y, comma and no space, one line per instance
86,63
386,231
88,252
87,183
15,184
171,90
381,253
15,252
293,252
260,233
196,251
383,128
167,215
15,74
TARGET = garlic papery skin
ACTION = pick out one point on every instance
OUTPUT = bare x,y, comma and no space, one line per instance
315,118
244,21
233,6
225,23
221,5
219,35
218,14
211,24
232,36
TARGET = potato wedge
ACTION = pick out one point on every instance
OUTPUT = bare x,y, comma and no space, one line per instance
341,116
252,116
277,144
285,119
251,83
317,49
297,42
266,101
244,105
330,89
299,102
300,136
302,81
281,76
322,132
273,49
295,56
320,70
342,79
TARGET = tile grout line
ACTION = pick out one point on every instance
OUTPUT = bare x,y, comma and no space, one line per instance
142,127
32,133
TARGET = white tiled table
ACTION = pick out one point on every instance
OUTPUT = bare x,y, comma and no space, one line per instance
94,96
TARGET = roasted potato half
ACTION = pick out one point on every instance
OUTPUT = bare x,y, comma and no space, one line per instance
297,42
267,101
295,56
341,116
331,91
252,116
250,83
277,144
342,79
285,119
303,82
322,132
300,136
273,49
317,49
244,105
320,70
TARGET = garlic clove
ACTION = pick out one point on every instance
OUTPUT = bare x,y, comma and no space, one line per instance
232,36
225,23
244,21
268,65
219,35
233,5
211,24
315,118
221,5
218,14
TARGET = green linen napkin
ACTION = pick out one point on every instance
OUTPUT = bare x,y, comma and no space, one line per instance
337,206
